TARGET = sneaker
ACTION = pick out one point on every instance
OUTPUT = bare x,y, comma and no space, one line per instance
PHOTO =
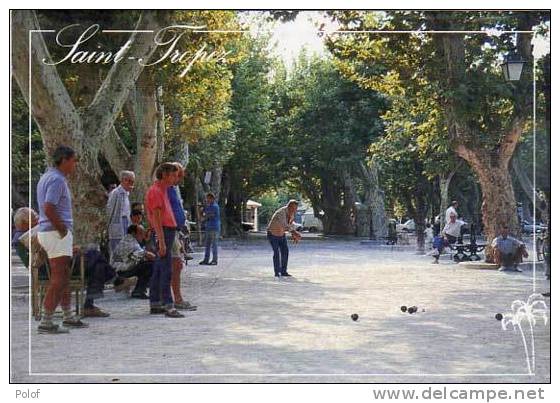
173,313
188,257
213,263
204,263
156,310
95,312
74,322
546,294
51,328
286,275
185,306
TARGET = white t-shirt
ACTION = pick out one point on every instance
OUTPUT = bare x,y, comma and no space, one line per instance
453,228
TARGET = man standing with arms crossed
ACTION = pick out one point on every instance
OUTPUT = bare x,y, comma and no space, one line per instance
55,236
162,220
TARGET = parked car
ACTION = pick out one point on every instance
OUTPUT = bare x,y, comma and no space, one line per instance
529,228
311,223
408,226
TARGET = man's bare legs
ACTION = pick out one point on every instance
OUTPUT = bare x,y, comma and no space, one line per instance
57,291
177,266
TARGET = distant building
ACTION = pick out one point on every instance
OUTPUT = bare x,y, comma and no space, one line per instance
251,214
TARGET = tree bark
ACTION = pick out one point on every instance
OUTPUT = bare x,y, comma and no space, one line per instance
498,198
60,123
491,167
122,76
337,219
444,183
142,107
374,200
114,150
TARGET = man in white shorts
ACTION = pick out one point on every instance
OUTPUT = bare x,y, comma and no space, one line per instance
55,236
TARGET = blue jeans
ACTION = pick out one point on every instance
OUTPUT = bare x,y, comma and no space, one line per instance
211,242
160,283
280,257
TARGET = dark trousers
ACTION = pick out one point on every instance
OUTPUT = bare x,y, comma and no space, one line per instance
160,282
143,271
97,271
280,253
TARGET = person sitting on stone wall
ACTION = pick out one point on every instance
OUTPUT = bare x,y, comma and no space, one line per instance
507,251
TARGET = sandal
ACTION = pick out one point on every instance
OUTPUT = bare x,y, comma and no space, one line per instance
173,313
74,322
95,312
185,306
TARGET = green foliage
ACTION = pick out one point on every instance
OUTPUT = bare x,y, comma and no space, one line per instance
325,126
411,64
252,167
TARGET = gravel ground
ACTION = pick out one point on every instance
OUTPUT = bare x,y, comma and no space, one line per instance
252,328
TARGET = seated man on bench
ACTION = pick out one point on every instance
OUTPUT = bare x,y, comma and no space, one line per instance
130,259
507,251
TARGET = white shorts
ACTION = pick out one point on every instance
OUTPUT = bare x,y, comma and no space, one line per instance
54,245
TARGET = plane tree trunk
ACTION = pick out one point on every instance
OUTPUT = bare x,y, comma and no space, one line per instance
61,123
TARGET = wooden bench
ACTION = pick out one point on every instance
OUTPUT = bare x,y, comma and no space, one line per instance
40,283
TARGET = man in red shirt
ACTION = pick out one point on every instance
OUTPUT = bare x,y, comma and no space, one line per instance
161,219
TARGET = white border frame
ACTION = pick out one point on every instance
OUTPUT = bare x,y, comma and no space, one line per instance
486,32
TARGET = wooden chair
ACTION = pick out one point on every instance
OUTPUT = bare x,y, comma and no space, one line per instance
40,282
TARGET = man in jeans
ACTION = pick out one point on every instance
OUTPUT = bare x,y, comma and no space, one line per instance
282,220
162,220
212,220
177,255
55,236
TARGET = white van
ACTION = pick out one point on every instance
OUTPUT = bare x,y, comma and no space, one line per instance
310,222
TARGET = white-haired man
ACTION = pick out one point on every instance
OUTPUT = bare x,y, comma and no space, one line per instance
282,220
118,209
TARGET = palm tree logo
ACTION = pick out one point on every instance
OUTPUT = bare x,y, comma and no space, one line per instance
530,312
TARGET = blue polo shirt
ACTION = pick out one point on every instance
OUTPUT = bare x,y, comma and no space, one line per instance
176,205
212,213
53,188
